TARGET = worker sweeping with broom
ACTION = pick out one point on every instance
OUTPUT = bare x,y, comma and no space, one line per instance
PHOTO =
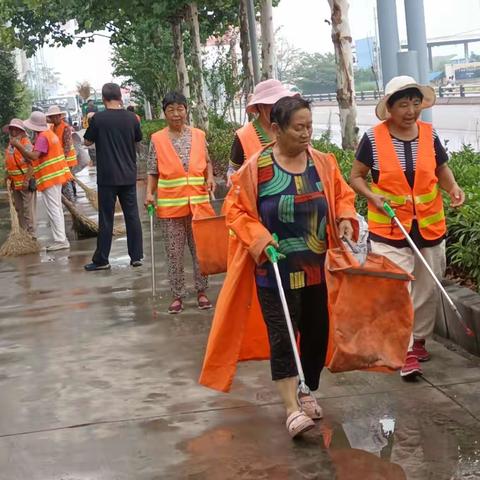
20,173
408,165
290,190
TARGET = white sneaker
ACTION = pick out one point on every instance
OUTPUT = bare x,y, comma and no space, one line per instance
58,246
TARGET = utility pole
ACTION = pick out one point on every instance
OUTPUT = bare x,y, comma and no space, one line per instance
389,42
252,31
417,41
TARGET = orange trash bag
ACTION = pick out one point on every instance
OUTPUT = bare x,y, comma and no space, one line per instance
211,239
371,312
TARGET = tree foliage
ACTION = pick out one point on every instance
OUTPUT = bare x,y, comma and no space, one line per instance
8,92
146,60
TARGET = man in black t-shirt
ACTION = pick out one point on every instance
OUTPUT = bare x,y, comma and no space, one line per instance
115,132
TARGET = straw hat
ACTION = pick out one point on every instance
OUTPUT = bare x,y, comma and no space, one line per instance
397,84
15,123
268,92
54,110
37,122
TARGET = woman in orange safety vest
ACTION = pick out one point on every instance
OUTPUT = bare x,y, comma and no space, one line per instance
408,166
258,133
56,117
20,173
180,174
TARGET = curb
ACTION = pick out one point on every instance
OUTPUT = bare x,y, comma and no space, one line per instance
447,324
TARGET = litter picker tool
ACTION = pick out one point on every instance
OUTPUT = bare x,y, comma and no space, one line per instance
393,216
274,256
151,212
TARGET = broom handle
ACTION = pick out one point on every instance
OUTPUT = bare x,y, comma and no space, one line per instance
151,211
391,213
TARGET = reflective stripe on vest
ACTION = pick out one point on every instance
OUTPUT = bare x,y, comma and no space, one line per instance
179,182
15,164
51,169
71,156
423,202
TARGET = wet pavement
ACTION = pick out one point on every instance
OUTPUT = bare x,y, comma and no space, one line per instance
97,382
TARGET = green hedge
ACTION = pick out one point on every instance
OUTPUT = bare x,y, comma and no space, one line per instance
463,238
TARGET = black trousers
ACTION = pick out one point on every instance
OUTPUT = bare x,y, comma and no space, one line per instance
107,197
309,312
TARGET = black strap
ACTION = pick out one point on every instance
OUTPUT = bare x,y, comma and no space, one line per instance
15,160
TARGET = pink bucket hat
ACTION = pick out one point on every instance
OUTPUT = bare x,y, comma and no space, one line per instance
37,122
268,92
16,123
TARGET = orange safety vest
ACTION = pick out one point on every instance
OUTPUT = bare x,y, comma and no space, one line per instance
423,203
178,191
249,139
71,156
16,165
51,169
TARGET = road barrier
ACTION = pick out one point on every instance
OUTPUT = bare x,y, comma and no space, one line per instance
459,91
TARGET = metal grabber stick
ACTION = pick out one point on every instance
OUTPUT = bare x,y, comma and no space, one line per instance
274,256
393,216
151,213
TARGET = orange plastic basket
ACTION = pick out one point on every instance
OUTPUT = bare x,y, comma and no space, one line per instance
211,242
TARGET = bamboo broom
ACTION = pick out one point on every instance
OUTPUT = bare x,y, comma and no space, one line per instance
18,242
84,226
92,195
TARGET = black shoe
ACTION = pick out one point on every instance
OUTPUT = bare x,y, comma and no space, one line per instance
136,263
91,267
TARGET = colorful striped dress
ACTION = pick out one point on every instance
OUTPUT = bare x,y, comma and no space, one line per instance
295,208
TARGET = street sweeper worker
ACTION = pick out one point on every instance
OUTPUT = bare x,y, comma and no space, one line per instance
286,190
56,117
250,138
51,172
408,166
180,175
19,171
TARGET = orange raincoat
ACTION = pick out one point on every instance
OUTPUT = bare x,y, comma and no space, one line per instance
238,330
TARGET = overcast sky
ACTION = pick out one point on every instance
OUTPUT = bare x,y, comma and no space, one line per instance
302,24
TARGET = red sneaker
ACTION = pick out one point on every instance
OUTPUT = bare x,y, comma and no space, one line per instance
411,368
420,351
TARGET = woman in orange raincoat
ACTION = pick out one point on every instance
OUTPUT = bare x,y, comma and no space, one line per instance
286,189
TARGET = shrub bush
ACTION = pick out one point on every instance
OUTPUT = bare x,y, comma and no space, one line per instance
220,138
151,126
464,223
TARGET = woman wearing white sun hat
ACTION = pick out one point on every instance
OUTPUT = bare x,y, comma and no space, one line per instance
408,166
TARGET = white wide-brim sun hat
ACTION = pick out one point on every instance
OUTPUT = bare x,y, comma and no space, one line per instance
37,122
397,84
54,110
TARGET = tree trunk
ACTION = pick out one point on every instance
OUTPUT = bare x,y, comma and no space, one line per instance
199,111
245,47
234,61
342,41
268,42
179,57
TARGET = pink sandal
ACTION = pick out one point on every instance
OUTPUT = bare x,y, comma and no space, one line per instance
309,405
298,422
203,301
176,306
